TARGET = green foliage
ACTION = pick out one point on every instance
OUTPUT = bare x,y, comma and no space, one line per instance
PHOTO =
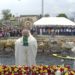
40,16
6,14
47,15
62,15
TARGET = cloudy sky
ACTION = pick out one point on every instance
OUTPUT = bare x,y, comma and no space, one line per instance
29,7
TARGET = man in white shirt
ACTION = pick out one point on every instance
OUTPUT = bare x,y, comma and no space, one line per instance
26,49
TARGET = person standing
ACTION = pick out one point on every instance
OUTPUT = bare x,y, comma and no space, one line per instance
26,49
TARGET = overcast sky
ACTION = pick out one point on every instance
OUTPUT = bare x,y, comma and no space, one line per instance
29,7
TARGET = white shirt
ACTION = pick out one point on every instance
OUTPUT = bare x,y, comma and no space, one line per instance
26,55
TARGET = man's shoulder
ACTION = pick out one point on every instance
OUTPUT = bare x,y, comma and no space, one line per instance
18,40
33,38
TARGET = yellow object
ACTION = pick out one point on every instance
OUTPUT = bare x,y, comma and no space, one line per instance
15,69
45,71
73,72
67,57
1,68
65,69
12,73
66,73
41,71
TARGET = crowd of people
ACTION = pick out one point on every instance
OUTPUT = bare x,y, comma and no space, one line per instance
4,32
12,32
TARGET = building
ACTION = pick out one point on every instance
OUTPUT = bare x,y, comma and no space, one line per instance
28,20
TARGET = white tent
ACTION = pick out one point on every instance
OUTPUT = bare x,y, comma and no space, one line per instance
54,21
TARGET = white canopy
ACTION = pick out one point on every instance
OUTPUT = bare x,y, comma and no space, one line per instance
54,21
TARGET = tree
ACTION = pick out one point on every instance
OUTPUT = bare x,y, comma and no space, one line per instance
6,14
62,15
40,16
47,15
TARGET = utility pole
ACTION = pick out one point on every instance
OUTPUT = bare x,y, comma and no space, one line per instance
42,8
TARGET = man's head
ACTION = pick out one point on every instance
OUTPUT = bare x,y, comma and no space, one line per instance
25,32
